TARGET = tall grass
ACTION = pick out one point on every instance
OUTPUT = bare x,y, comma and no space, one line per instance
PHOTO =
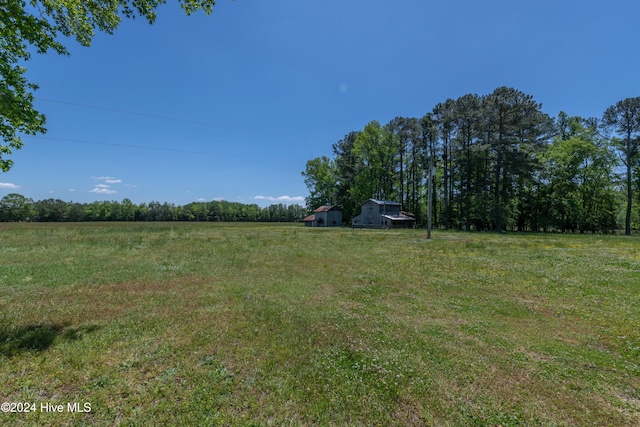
248,324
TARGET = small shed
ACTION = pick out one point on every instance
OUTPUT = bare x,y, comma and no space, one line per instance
309,220
325,216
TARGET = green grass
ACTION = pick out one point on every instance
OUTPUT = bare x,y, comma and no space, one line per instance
249,324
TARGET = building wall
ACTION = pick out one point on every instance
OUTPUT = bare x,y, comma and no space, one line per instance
386,209
332,218
371,215
372,211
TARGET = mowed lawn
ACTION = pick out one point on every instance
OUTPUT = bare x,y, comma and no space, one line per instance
255,324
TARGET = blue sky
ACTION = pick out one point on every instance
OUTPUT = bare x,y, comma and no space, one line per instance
232,105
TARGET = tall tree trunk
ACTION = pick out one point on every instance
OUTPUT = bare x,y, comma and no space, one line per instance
496,196
445,158
467,196
402,178
627,224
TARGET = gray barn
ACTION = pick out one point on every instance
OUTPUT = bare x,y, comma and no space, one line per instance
382,214
324,216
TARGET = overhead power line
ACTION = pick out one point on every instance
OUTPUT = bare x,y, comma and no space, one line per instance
198,122
175,150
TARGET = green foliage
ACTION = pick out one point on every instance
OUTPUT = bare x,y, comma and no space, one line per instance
374,150
624,120
15,208
469,160
320,178
500,163
346,168
408,161
39,25
578,174
516,130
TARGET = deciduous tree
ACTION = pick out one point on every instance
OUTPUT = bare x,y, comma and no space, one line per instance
346,171
320,179
16,207
374,149
578,176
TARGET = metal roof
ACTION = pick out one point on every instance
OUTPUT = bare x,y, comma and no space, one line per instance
401,217
383,202
309,218
326,208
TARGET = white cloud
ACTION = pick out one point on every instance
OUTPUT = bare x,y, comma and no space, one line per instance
281,199
9,185
72,190
102,191
108,179
104,187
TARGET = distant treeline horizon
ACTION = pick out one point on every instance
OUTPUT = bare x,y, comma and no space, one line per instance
15,207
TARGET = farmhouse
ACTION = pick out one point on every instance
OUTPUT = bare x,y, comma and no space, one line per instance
382,214
324,216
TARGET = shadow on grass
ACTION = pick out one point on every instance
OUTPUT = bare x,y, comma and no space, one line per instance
38,337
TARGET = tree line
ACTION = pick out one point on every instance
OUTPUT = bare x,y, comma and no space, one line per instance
16,207
496,162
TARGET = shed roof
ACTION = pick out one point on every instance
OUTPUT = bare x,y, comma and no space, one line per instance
327,208
309,218
401,217
383,202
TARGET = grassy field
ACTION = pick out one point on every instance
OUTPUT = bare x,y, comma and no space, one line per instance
208,324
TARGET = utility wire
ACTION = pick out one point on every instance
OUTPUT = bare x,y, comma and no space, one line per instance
155,116
175,150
